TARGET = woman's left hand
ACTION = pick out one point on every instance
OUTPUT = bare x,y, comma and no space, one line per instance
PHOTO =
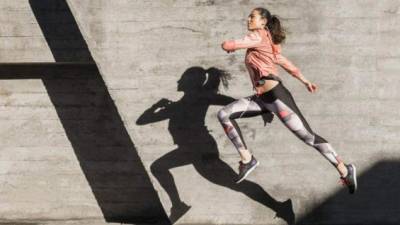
311,87
227,46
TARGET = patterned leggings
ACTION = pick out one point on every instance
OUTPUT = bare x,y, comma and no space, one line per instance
279,101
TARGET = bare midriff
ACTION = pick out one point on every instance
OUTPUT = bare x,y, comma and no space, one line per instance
268,85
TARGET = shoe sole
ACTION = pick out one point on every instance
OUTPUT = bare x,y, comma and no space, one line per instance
355,178
248,172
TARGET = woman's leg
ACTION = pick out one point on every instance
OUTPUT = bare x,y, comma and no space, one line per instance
281,102
288,112
244,107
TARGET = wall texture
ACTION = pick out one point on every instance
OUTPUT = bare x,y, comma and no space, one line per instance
147,51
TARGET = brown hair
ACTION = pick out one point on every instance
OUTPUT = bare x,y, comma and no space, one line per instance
273,25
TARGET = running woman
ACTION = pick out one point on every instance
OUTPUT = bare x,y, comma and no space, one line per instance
263,53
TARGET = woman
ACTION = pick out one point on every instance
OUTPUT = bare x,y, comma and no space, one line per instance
263,53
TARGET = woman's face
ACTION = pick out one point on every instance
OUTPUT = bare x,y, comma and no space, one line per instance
254,21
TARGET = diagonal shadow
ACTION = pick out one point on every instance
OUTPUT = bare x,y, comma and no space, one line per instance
377,200
195,144
61,31
107,156
18,223
100,141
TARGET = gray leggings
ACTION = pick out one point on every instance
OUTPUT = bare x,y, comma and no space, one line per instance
279,101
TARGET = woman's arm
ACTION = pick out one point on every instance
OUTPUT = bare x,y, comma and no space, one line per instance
289,67
251,40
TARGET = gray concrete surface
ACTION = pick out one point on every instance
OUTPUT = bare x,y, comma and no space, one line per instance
350,49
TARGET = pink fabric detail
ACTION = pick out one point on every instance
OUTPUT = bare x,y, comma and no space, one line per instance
262,55
287,65
283,114
251,40
227,128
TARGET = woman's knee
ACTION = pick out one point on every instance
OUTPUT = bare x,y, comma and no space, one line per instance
319,139
305,136
223,115
291,120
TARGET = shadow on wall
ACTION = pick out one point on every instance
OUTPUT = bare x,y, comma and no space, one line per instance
18,223
90,118
106,154
195,144
377,200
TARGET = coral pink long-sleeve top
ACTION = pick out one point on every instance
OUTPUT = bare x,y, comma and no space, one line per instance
262,54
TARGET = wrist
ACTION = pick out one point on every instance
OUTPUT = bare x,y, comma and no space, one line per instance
300,77
304,80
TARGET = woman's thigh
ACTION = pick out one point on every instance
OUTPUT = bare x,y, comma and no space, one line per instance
244,107
281,103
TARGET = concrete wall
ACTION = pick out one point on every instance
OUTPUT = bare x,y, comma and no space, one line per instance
350,49
74,155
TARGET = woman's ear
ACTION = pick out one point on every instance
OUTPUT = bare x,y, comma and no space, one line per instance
265,21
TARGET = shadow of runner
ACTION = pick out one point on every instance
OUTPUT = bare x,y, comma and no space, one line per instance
17,223
195,144
377,200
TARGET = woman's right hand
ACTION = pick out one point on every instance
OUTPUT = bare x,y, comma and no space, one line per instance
311,87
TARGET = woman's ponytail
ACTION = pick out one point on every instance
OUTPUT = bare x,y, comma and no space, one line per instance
277,32
273,25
